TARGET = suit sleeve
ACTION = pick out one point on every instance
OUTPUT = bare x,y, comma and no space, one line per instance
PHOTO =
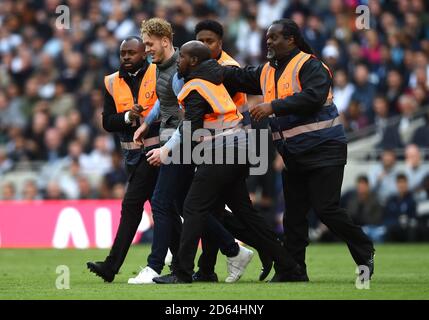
113,121
315,82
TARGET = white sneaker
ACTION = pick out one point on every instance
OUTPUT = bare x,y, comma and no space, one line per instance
145,276
236,265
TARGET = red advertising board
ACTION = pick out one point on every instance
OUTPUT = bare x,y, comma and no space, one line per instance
63,224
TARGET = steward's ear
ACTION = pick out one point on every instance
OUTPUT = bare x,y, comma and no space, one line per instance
194,61
290,41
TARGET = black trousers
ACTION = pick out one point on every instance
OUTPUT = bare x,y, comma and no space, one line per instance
215,183
141,184
319,189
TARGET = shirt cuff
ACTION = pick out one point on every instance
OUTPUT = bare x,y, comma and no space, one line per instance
127,117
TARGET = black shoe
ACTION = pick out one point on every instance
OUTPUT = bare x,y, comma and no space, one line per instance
204,277
101,270
267,265
169,279
297,275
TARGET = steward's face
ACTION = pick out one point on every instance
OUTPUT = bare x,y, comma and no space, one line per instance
183,63
131,55
211,40
278,47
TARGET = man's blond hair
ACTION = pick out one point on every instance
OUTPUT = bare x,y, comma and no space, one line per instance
157,27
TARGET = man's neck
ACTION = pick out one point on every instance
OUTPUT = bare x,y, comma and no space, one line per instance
283,61
168,55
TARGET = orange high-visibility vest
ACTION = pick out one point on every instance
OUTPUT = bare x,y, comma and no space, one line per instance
288,83
239,98
225,114
121,92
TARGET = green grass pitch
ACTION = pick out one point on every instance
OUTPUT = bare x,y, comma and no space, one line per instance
401,272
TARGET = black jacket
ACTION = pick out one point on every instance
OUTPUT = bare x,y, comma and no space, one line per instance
315,82
196,105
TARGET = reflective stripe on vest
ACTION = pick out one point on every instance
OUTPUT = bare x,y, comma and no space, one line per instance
287,85
225,114
307,128
122,95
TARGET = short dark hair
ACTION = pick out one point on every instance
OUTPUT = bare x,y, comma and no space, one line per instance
401,176
291,29
362,178
129,38
210,25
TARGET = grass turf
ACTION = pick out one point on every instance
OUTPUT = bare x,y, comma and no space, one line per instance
401,272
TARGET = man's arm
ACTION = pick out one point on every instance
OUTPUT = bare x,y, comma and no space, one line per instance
196,108
113,121
316,82
153,114
243,79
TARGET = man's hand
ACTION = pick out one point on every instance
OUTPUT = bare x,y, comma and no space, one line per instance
261,111
157,156
135,112
140,133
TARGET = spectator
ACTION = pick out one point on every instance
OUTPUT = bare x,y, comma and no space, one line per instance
248,42
53,145
394,90
62,101
421,135
381,112
343,90
399,134
331,55
6,164
85,188
30,191
371,50
314,33
365,210
269,11
181,33
364,90
8,191
400,213
36,133
118,191
99,160
53,191
117,173
355,119
383,176
415,169
10,114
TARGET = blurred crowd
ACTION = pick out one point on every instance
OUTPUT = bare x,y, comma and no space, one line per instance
52,89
